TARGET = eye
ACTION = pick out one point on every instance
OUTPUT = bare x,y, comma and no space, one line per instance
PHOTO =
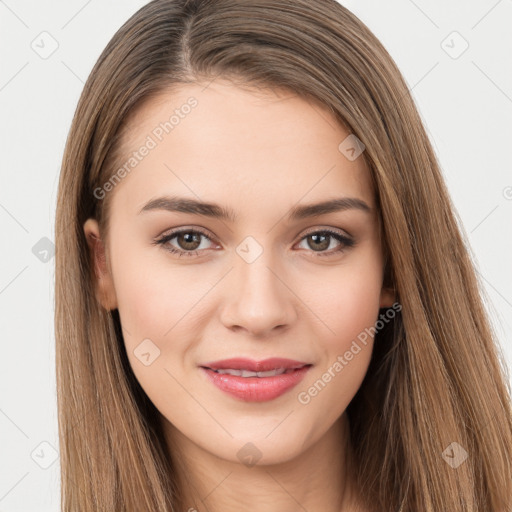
188,240
319,241
189,243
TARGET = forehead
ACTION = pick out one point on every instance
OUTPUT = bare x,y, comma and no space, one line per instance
236,145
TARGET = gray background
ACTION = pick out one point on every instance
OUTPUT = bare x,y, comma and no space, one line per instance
464,96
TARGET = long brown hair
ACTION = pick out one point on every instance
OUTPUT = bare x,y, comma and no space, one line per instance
436,376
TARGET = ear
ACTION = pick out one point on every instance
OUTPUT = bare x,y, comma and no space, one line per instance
387,292
104,285
387,297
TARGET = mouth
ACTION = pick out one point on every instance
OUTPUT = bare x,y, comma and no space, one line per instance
248,373
251,365
255,381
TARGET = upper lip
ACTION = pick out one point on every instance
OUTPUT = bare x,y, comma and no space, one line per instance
251,365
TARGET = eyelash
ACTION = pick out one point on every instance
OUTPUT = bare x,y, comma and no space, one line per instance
345,242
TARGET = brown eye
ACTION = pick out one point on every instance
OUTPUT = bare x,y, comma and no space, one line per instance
320,241
188,241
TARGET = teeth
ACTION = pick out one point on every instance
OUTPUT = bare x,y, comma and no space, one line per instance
247,373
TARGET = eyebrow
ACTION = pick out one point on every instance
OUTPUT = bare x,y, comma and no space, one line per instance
298,212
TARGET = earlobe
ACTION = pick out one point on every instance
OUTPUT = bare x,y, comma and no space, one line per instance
104,285
387,297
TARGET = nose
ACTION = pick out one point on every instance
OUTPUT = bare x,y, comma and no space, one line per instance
258,299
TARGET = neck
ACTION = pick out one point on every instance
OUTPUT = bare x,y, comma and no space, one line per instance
320,478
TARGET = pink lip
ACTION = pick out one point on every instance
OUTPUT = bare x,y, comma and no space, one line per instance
240,363
256,389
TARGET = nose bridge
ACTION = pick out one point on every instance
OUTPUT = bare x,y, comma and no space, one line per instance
257,299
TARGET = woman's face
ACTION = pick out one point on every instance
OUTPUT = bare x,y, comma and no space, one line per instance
263,281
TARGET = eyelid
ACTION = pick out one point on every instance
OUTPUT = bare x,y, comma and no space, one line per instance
337,231
186,229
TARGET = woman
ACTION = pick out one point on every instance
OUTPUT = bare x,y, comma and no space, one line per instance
263,299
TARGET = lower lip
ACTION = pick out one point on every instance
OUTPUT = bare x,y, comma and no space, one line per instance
256,389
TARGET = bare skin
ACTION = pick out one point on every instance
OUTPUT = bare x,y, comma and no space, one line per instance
260,155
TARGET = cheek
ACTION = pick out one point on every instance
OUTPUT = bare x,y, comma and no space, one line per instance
151,299
156,318
161,308
140,302
351,311
346,299
348,305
